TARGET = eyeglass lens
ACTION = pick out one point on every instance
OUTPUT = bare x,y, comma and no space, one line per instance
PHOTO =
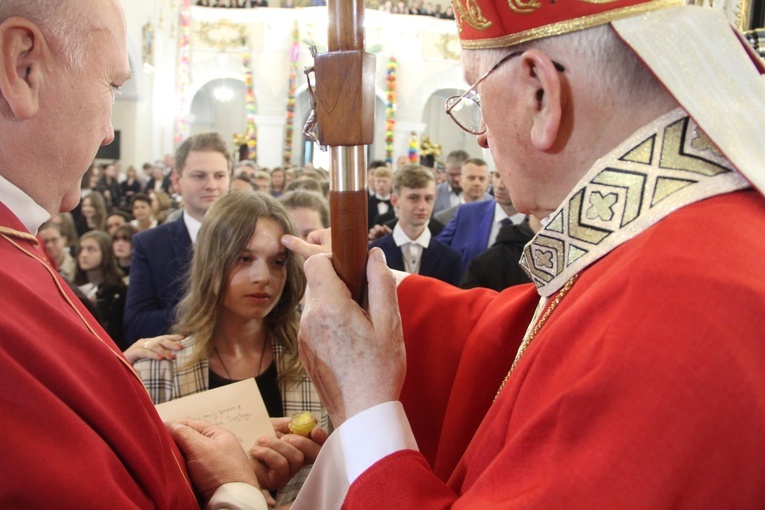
466,111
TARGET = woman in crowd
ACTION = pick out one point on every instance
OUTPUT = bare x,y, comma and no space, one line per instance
100,279
52,234
143,218
160,206
122,243
94,212
130,186
66,222
239,314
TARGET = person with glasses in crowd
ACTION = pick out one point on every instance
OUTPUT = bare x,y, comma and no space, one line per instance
52,235
449,193
629,375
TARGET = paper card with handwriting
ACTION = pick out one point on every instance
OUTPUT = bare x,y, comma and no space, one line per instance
237,407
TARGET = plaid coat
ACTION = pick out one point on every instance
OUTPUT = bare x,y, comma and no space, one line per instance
167,380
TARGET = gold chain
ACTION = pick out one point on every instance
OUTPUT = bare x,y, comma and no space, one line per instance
541,322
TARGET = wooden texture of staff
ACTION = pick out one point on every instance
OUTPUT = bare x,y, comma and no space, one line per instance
345,98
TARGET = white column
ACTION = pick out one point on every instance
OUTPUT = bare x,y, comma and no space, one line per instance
271,139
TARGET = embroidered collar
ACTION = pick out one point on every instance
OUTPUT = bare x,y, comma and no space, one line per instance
666,165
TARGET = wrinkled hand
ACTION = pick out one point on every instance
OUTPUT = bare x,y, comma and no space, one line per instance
276,460
159,347
355,358
378,231
318,241
213,455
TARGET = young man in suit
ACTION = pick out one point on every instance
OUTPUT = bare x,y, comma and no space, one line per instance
379,204
410,247
162,254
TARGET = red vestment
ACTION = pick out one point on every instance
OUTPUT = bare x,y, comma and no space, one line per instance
644,389
78,428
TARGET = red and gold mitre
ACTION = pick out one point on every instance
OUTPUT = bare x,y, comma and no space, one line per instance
500,23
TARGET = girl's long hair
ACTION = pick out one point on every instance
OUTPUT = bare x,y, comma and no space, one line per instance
109,267
226,231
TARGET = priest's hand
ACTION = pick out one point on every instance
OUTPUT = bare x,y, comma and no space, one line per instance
356,358
318,241
275,460
213,455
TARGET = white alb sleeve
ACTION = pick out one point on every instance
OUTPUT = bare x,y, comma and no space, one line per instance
237,496
350,450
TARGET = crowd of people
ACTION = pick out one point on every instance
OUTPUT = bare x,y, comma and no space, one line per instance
92,247
419,8
416,7
602,385
117,206
237,4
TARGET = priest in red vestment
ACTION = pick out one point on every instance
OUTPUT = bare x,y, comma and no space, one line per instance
78,428
630,374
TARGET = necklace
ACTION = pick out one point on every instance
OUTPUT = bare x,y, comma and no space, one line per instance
260,361
541,322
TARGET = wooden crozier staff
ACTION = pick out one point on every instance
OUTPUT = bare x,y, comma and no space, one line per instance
344,112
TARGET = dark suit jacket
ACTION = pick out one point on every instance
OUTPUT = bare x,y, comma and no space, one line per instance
161,256
372,213
385,219
497,268
468,232
438,260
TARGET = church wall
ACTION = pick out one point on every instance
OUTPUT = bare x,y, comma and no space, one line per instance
426,50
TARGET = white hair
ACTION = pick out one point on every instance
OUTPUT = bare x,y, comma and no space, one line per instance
64,23
595,52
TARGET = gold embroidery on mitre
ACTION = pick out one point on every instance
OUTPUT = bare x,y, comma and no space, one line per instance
566,26
663,167
471,14
524,6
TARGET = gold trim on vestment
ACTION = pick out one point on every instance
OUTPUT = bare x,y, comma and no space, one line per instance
537,324
7,234
564,27
666,165
17,233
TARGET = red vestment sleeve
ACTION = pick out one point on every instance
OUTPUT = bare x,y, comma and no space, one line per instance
78,428
444,394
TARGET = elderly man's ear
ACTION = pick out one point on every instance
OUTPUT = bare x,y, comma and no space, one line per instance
544,95
22,53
